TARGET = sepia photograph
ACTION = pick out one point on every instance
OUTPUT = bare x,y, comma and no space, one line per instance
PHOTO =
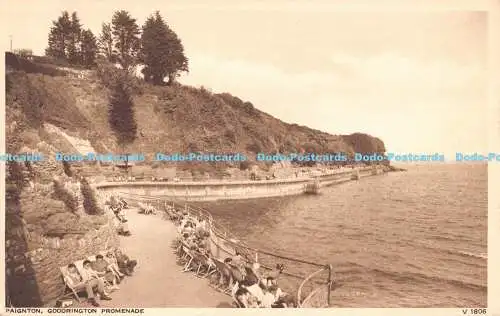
246,154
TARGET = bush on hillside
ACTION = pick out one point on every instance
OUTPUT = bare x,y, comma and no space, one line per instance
254,147
90,204
15,174
111,76
244,165
63,195
67,169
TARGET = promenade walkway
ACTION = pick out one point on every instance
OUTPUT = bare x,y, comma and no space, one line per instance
158,280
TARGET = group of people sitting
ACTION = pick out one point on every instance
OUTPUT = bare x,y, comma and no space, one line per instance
101,276
255,289
117,205
239,276
146,208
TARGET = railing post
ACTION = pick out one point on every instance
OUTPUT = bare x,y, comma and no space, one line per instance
329,283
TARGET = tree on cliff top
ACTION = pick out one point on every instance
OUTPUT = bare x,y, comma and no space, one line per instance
161,52
88,49
74,40
59,37
126,38
106,43
69,42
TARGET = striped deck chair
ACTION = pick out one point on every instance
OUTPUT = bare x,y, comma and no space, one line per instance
72,290
189,258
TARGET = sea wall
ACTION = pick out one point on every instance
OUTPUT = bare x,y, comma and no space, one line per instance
229,190
209,190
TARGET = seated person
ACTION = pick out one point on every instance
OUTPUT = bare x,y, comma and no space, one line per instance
238,263
254,289
274,295
203,243
124,263
244,298
120,214
188,228
283,300
226,276
113,264
88,280
278,270
103,270
253,273
268,299
123,229
123,203
236,274
191,242
185,236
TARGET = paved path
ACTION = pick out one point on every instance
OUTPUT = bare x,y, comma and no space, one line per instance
158,280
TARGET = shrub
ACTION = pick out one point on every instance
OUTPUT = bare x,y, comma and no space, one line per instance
111,76
255,147
62,194
244,165
89,200
15,174
67,169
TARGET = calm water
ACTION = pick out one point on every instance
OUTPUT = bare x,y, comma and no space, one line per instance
409,239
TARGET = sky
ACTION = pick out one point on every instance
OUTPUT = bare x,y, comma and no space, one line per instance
414,76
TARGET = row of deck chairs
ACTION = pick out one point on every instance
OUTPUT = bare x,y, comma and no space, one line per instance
222,276
202,265
194,261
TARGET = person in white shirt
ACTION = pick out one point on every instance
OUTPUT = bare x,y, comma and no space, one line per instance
88,280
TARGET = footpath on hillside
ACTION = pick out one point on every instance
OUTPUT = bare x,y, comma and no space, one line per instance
158,280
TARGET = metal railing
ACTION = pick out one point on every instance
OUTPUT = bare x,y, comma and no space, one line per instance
314,288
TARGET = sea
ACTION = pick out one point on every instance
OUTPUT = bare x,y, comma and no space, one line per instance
403,239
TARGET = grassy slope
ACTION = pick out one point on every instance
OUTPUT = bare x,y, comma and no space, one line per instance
175,118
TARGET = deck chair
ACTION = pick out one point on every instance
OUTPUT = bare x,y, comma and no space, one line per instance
93,259
236,303
189,257
141,206
210,267
202,261
64,272
178,247
183,251
222,269
72,291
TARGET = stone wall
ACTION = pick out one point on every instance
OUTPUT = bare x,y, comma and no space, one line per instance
45,261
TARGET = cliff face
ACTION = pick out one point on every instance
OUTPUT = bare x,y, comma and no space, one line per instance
170,119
